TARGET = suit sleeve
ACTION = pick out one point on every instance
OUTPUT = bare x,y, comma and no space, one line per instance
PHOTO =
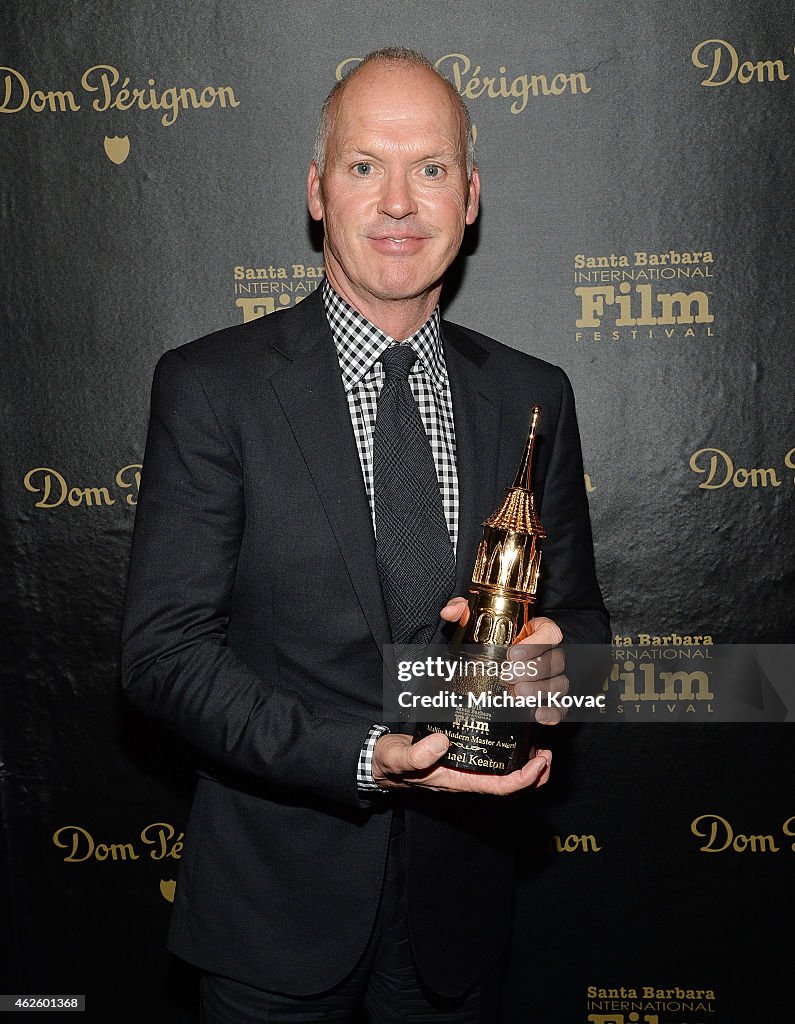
570,592
176,664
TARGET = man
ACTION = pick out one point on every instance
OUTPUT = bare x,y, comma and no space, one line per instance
329,863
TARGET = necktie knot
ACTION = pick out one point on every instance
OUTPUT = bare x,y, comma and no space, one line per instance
398,361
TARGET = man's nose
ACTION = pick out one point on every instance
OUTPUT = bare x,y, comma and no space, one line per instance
397,198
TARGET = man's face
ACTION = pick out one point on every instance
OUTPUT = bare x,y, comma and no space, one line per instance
394,195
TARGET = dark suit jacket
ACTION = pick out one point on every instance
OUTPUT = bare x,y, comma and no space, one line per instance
253,626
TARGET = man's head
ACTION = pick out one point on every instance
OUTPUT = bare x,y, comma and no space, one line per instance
394,183
397,55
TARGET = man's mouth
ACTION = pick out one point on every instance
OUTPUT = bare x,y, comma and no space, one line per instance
397,242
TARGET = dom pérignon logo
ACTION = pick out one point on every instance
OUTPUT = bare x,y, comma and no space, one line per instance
117,149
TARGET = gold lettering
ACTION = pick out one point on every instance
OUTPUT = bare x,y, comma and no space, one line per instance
116,851
95,496
169,101
38,100
579,83
593,304
56,100
129,477
343,66
82,847
774,68
756,844
764,478
255,308
207,97
473,88
54,490
139,98
111,93
459,66
594,299
226,94
758,476
625,305
520,89
573,843
108,77
649,689
161,835
721,836
50,475
78,836
685,317
670,679
718,458
717,57
12,77
646,318
123,100
788,828
104,79
628,678
718,826
471,83
745,72
559,84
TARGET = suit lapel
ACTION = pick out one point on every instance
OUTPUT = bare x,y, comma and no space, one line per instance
312,397
477,408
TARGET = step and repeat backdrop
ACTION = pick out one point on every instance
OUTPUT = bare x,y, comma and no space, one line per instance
636,229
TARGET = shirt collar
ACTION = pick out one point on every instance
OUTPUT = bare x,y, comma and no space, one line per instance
360,343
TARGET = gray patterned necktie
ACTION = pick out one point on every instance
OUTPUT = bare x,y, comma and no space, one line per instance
415,556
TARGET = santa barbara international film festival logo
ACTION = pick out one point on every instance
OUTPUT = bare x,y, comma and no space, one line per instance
644,295
105,89
643,1002
264,289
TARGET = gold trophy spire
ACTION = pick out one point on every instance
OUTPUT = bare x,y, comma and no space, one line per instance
523,477
508,559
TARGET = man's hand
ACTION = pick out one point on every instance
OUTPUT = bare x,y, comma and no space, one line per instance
400,763
538,643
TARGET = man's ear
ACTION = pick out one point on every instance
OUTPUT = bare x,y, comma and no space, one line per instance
314,197
473,202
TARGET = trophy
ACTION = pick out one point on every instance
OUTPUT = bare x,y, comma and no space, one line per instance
502,589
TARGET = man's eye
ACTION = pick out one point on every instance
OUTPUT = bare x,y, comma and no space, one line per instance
432,171
363,168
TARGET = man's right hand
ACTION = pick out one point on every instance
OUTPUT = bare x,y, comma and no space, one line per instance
399,763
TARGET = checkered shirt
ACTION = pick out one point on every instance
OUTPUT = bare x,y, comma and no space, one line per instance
360,345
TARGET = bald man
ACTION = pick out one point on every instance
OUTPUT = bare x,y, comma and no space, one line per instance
332,867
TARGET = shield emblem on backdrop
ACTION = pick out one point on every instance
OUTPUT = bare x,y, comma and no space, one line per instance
117,148
167,889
